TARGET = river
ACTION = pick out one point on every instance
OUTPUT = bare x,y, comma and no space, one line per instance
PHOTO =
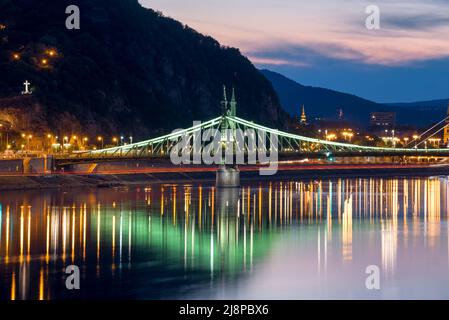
298,239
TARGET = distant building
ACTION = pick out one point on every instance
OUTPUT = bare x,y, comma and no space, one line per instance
383,120
303,119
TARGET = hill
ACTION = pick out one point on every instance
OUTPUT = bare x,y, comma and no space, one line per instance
127,70
325,103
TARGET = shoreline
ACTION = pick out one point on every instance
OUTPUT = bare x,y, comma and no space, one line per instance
106,180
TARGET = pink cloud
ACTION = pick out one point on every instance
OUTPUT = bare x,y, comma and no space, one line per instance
410,29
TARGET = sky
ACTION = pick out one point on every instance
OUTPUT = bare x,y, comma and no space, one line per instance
326,42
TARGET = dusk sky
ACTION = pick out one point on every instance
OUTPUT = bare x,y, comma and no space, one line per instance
325,42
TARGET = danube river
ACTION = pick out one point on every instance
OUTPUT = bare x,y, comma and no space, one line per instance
301,239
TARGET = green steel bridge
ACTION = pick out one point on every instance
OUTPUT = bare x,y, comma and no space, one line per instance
287,145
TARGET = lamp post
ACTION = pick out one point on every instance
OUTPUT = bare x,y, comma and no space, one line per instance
65,143
393,138
100,139
28,142
24,136
115,140
350,135
59,148
49,137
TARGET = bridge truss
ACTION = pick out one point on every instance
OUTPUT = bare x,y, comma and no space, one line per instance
285,144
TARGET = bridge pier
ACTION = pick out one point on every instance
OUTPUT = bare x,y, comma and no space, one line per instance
227,177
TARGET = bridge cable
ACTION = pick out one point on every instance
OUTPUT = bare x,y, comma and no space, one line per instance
422,134
447,125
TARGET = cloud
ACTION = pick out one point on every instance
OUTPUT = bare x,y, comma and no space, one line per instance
411,30
420,22
302,56
325,42
264,61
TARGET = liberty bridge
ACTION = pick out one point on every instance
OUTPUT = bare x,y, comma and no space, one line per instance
287,146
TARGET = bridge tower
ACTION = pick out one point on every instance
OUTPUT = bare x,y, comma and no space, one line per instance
228,176
224,103
446,130
233,104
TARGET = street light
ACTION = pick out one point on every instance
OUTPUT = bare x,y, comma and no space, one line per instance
393,138
102,141
115,140
51,52
350,135
85,140
29,140
65,143
49,137
121,140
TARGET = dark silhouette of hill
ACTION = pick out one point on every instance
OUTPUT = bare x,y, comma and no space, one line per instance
127,70
325,103
441,103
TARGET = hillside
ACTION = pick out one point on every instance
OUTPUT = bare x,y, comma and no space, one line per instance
319,102
325,103
439,104
128,70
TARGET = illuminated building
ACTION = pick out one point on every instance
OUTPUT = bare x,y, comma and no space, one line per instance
383,119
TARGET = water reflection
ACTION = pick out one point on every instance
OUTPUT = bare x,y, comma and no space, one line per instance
291,239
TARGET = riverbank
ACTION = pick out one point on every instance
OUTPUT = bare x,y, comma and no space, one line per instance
186,175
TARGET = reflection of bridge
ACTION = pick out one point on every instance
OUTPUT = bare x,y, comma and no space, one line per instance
169,230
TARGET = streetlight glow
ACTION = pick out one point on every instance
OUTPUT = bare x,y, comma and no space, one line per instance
51,53
102,141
